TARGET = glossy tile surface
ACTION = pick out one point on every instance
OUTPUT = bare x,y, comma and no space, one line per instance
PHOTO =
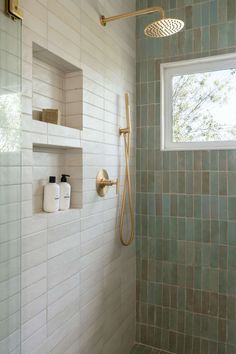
186,201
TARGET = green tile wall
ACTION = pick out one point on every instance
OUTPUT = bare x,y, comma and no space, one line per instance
186,201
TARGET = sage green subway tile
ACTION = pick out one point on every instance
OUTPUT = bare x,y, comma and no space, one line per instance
214,205
205,207
189,206
198,255
214,256
232,183
151,70
166,182
143,115
158,182
158,160
205,183
224,231
173,182
174,161
205,255
223,208
223,183
205,11
215,231
232,208
213,12
189,229
166,157
232,160
181,182
143,71
205,160
188,43
173,208
144,138
151,160
143,94
231,34
205,38
181,161
197,182
152,116
189,160
214,38
223,35
214,183
151,93
197,206
144,180
231,332
197,16
231,10
181,205
173,228
151,204
223,257
232,258
143,159
223,282
206,233
150,182
189,182
158,204
188,17
166,205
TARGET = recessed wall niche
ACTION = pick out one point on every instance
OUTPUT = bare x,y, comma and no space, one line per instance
57,84
55,161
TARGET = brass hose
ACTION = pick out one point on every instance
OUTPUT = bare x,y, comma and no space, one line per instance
126,132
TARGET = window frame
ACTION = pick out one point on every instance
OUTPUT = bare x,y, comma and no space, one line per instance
167,71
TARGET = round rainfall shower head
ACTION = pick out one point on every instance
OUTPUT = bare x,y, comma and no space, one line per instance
164,27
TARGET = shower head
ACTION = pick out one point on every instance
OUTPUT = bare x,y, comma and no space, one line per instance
161,28
164,27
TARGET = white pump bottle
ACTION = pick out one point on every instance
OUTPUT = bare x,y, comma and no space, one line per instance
65,193
51,196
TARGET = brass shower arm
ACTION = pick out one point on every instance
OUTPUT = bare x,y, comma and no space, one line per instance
104,20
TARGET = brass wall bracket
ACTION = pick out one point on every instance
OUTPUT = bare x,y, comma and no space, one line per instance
12,8
103,183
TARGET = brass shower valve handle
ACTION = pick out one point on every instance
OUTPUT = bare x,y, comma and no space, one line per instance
108,182
103,182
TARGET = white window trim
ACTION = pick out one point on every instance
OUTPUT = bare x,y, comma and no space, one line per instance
167,71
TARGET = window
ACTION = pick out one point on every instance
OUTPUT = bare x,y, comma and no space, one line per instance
198,104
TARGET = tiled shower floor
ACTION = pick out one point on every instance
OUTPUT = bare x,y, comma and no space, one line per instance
143,349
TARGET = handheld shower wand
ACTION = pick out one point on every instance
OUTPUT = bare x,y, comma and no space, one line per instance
126,132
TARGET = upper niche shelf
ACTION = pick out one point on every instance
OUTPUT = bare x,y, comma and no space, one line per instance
57,84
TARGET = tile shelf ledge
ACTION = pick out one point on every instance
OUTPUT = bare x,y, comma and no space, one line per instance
47,134
59,217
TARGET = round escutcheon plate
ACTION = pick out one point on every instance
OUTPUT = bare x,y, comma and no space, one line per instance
102,174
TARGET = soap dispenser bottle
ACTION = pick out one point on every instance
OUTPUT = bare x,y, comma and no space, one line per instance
51,196
65,192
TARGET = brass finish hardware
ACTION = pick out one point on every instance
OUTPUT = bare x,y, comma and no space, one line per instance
160,28
126,132
12,8
104,20
103,182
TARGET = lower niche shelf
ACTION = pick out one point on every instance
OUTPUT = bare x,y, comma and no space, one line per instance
55,161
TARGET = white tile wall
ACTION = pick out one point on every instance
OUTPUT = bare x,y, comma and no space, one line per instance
78,282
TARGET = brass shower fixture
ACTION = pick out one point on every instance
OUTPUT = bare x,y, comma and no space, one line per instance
103,182
12,8
160,28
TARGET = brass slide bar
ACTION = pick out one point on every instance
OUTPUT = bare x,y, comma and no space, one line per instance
104,20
